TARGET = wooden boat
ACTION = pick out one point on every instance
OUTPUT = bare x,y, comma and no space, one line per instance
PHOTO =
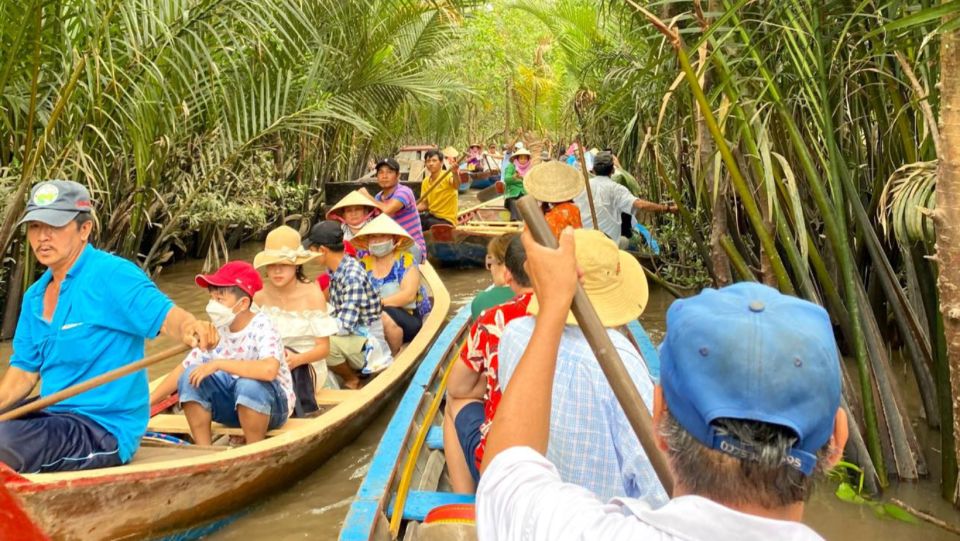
407,477
167,489
465,246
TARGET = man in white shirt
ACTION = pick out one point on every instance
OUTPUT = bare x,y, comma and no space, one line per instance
611,200
747,413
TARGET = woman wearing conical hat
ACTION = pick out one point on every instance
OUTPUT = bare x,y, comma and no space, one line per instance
296,306
394,273
520,164
353,212
554,185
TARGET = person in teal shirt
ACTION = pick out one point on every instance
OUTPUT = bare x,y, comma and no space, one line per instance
520,163
89,313
500,292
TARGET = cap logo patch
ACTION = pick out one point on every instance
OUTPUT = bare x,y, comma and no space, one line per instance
45,195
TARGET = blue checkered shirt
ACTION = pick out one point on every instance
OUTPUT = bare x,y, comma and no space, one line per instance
591,442
356,304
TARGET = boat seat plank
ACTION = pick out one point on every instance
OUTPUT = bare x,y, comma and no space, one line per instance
419,503
435,438
168,423
150,453
332,397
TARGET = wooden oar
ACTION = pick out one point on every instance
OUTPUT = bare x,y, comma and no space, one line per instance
610,362
490,203
107,377
586,181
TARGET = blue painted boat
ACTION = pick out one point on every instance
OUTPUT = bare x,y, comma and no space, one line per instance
407,477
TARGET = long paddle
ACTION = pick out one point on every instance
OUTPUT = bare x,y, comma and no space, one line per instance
610,362
106,377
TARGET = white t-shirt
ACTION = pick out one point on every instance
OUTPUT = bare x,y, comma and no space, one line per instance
258,340
610,200
521,497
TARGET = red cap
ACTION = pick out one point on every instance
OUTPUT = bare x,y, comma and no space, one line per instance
234,273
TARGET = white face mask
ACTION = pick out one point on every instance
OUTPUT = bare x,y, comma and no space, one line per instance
382,248
220,315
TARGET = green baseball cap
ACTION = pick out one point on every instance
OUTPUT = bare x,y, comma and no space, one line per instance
56,202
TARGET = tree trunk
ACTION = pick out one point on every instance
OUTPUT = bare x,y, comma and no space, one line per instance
947,219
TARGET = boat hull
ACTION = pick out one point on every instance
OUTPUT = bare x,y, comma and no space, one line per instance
148,500
368,517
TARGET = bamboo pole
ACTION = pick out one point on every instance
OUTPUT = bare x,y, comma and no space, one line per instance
106,377
607,356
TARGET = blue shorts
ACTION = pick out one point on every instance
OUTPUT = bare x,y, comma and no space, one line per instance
220,394
468,423
48,442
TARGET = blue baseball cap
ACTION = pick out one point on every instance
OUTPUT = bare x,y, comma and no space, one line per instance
749,352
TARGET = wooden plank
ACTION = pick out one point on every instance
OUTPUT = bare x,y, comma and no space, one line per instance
332,397
168,423
430,478
419,503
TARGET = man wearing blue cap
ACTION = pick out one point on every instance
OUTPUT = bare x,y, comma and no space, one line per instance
89,313
747,412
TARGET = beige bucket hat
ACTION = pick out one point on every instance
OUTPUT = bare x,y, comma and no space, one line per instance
382,225
553,182
283,246
352,199
612,279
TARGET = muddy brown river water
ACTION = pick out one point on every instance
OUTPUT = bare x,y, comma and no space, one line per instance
314,508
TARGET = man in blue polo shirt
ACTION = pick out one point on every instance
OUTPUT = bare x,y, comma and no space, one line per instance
89,313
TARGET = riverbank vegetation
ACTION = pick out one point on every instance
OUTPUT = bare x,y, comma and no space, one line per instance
800,139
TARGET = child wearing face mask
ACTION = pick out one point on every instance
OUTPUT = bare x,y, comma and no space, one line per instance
244,381
394,273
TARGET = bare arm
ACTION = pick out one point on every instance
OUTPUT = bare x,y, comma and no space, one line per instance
409,286
167,386
464,382
16,385
389,208
262,370
184,327
523,416
649,206
318,353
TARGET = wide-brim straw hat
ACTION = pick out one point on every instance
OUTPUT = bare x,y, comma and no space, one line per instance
451,152
352,199
283,247
383,225
612,279
553,182
518,153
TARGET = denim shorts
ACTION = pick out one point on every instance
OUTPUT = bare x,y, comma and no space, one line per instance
47,442
220,394
468,422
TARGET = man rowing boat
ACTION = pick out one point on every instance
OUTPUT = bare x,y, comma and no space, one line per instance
89,313
747,412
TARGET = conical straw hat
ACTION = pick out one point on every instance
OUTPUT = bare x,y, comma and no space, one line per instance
451,152
382,225
283,246
612,279
352,199
553,182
